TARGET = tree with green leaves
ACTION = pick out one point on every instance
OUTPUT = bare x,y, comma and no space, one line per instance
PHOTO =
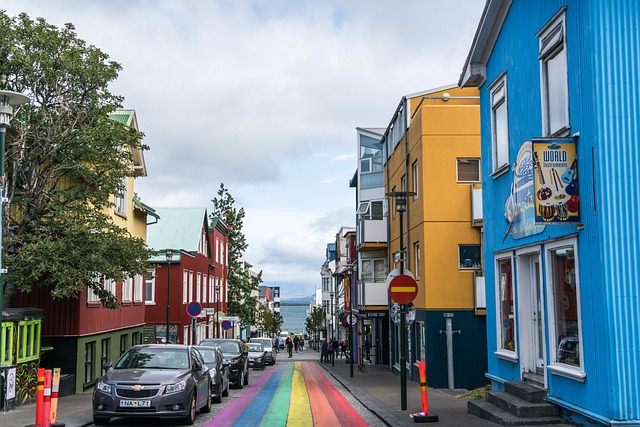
241,284
64,159
268,321
315,320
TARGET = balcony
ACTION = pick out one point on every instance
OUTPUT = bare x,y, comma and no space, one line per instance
372,293
371,234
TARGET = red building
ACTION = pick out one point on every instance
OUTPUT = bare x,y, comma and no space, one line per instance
190,275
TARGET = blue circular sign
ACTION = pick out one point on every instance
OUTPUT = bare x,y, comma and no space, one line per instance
194,309
226,325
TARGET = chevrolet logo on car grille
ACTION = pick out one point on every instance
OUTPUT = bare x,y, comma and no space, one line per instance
137,387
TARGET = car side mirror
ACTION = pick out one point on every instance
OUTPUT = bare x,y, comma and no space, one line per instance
197,366
107,365
225,363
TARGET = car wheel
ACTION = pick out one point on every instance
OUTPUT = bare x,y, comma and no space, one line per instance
240,382
99,421
218,398
207,406
225,392
246,378
191,416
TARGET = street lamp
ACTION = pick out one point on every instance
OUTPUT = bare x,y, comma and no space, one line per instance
217,309
401,208
333,350
169,254
8,100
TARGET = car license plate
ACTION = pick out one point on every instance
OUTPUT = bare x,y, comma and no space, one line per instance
135,403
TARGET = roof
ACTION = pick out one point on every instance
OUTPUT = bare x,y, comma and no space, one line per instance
475,66
177,229
128,118
376,131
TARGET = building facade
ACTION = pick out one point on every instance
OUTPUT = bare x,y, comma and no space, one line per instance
558,83
432,152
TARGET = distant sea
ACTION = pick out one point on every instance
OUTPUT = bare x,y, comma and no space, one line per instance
294,318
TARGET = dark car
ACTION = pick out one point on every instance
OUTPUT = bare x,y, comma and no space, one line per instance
218,371
257,355
269,347
155,381
234,352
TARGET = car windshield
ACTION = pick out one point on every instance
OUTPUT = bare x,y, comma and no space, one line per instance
224,346
255,346
154,358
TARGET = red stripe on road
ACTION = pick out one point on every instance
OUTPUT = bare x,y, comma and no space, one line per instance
321,410
342,409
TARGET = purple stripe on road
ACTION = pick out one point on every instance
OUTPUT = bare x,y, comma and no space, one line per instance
231,412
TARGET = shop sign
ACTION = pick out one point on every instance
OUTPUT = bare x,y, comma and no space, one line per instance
557,194
519,208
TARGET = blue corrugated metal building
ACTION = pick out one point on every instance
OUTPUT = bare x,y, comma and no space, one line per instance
560,111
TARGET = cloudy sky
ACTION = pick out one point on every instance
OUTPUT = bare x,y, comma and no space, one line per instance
264,96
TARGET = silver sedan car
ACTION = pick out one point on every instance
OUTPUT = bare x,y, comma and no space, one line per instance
154,381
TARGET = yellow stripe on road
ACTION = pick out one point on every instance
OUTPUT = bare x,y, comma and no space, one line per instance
300,408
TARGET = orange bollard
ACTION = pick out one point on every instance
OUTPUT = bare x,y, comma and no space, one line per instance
55,385
39,396
46,402
424,416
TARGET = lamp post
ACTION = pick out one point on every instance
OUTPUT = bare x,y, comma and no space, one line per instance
333,350
8,100
401,208
169,255
351,338
217,309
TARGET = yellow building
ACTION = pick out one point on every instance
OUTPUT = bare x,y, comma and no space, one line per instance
432,149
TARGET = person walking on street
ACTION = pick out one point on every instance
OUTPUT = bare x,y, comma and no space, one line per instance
289,345
296,342
324,348
301,345
330,351
343,348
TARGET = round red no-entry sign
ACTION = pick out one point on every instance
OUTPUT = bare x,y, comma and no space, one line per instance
403,289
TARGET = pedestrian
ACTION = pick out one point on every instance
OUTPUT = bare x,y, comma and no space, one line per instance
343,348
276,345
336,348
301,345
289,345
296,342
330,351
324,348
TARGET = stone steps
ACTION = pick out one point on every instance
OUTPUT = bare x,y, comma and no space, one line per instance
521,404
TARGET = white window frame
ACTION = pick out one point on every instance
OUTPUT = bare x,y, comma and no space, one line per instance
137,288
110,285
150,283
185,281
91,295
499,148
416,255
552,42
501,352
569,371
376,276
126,289
416,179
190,287
120,198
468,160
198,287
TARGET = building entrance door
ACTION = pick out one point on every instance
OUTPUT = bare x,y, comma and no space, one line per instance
532,321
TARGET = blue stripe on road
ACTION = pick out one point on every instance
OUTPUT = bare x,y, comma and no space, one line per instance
259,405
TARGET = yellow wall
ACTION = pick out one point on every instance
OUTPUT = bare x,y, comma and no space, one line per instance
440,217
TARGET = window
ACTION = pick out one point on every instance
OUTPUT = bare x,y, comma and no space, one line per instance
28,340
469,257
89,361
506,309
190,287
126,289
198,286
205,285
371,210
499,124
91,294
564,305
137,288
416,254
416,180
185,284
120,199
373,270
104,351
371,166
150,288
136,338
468,170
553,77
110,285
124,343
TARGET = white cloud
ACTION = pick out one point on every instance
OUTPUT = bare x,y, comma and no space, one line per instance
265,97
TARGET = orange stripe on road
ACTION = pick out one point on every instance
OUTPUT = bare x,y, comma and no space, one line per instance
323,415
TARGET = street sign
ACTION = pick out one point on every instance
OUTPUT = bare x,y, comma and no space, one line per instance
226,325
194,308
403,289
350,319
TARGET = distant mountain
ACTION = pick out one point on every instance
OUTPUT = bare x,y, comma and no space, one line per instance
296,301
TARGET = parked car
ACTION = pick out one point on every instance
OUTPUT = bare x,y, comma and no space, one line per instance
269,347
153,381
218,371
233,351
257,355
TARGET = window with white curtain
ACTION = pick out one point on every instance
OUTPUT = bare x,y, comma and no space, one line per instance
499,124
